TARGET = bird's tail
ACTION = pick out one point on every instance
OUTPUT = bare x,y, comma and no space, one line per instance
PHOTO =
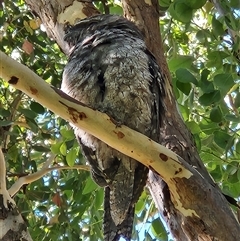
110,230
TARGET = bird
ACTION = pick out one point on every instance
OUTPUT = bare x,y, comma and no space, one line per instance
111,70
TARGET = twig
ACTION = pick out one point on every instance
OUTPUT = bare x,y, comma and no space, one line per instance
13,108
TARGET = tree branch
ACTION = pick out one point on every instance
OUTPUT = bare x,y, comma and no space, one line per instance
121,138
37,175
178,174
13,108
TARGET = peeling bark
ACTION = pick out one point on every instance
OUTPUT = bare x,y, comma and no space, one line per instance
56,14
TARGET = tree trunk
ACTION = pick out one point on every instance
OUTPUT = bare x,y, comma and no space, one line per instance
201,212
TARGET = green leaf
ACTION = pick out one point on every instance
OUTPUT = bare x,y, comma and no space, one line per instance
184,111
215,59
116,9
67,133
37,108
42,208
165,3
6,123
32,124
224,82
90,186
195,4
214,55
222,139
40,148
63,149
234,189
235,3
184,87
180,61
34,195
198,141
71,157
233,118
28,28
4,113
209,129
180,11
63,218
206,86
237,148
159,230
45,135
185,76
193,127
204,74
232,22
99,198
210,98
140,205
55,148
13,152
217,27
217,173
216,114
238,174
233,177
201,35
27,113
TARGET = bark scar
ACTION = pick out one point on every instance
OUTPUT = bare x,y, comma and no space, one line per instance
34,91
120,135
13,80
163,157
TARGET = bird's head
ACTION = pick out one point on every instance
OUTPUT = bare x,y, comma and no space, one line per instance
99,24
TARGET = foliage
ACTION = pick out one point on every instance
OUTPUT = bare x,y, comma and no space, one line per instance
202,47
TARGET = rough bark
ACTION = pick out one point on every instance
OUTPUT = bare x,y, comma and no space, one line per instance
194,208
176,137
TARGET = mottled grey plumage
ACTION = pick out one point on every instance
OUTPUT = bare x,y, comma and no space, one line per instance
110,69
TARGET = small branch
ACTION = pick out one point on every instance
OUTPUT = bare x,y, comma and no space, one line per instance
13,108
15,104
105,6
21,124
37,175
